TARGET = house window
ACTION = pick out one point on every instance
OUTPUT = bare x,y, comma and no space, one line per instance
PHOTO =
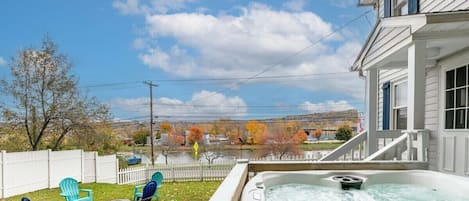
400,106
456,105
400,7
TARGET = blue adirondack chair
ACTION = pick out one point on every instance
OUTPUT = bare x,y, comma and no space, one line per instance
69,190
148,191
158,178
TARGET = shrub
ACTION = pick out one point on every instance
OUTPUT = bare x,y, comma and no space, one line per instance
344,133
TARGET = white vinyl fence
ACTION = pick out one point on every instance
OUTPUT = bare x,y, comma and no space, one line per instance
177,172
22,172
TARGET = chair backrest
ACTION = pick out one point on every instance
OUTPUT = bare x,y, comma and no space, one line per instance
25,199
158,177
69,188
149,191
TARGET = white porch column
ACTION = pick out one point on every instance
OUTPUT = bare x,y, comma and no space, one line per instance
371,109
416,85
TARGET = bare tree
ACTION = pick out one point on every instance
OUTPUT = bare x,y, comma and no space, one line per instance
211,152
48,103
174,141
281,144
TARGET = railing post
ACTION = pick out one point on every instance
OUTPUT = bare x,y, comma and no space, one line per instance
409,144
422,145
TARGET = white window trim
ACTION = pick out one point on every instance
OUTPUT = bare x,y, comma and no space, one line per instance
455,108
392,102
397,6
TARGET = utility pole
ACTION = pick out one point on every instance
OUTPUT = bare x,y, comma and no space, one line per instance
151,85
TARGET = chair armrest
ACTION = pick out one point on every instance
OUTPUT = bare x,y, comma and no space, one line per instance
89,191
138,187
63,194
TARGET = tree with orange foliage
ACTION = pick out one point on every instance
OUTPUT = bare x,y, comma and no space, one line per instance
257,132
282,144
317,133
195,134
165,127
300,136
174,140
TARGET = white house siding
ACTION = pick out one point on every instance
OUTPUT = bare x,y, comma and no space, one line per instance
431,6
431,104
431,114
385,42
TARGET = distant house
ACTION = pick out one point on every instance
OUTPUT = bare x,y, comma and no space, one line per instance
416,65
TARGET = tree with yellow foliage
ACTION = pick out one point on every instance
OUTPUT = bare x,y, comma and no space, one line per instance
257,132
165,127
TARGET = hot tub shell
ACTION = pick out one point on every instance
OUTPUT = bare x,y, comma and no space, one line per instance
254,189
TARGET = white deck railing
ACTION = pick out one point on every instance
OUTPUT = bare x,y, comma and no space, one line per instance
353,149
392,145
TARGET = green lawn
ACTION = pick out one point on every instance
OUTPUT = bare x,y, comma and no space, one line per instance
172,191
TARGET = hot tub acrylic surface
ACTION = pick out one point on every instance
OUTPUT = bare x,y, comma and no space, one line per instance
414,185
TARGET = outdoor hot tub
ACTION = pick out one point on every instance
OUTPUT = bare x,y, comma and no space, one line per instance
361,185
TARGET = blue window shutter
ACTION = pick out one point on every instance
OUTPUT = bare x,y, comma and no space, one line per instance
386,104
413,7
387,8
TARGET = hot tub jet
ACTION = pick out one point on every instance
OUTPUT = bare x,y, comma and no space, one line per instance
349,182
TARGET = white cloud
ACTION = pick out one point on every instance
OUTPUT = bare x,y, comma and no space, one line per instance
325,106
344,3
242,46
127,7
163,6
133,7
2,61
139,43
203,105
295,5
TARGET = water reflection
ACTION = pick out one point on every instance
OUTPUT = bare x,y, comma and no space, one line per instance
227,155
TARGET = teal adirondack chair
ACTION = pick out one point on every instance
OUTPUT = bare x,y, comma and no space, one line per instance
69,190
158,178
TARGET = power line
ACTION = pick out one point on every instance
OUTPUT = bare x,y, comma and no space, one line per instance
115,84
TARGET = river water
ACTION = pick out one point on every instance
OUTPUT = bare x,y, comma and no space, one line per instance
227,155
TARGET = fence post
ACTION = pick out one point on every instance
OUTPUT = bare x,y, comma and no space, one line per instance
172,172
117,169
201,171
4,154
82,153
96,172
49,172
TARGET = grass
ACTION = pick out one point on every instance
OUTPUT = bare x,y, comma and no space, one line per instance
320,146
171,191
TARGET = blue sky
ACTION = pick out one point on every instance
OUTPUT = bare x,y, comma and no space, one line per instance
242,51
